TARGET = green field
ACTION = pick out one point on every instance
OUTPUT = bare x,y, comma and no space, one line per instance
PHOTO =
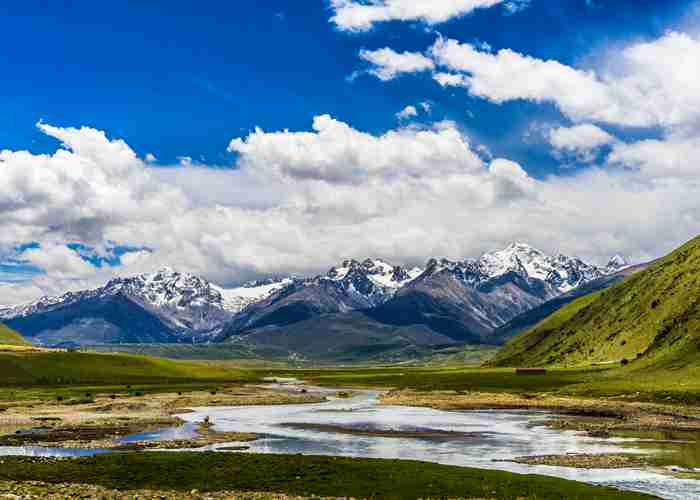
300,475
429,379
44,374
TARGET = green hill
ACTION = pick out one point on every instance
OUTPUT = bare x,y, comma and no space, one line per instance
11,337
79,369
652,320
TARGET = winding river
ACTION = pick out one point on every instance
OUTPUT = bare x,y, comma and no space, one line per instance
360,427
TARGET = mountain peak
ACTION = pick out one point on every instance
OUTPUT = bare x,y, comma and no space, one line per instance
616,263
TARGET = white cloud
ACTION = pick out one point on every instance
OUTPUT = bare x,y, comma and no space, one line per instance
353,15
151,158
645,84
301,201
581,140
388,64
63,262
515,6
672,157
337,153
185,161
412,111
407,112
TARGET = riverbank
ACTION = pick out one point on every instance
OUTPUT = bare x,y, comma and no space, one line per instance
597,416
98,420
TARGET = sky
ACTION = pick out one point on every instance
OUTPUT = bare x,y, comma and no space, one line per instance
241,140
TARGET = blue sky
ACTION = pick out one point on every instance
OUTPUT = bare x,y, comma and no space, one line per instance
564,124
182,81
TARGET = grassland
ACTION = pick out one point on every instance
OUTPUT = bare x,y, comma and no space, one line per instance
74,368
300,475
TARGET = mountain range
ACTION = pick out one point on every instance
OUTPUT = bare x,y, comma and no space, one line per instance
355,305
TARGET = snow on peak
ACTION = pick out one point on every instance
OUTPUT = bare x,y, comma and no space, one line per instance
617,263
562,272
379,272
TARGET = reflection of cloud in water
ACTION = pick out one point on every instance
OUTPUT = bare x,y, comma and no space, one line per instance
498,435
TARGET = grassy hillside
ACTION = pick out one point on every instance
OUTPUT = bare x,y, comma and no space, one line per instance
76,369
10,337
652,320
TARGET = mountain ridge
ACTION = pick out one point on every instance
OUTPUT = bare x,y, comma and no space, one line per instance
187,308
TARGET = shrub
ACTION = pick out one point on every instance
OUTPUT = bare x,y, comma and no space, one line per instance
625,361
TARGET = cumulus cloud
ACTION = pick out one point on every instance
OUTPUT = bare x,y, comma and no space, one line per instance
645,84
412,111
299,201
353,15
388,64
407,112
583,141
337,153
672,157
579,138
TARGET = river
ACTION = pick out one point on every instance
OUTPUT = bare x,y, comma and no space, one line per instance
482,439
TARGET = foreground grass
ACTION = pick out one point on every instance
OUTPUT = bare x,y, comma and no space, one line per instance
295,474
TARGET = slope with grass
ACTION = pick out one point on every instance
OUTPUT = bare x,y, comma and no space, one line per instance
651,320
76,369
11,337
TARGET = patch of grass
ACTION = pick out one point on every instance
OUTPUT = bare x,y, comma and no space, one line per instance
300,475
9,337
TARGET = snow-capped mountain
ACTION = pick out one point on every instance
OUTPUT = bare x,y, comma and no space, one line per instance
371,279
563,273
617,263
191,308
459,299
353,285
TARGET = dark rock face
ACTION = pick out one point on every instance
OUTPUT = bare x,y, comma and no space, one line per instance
98,320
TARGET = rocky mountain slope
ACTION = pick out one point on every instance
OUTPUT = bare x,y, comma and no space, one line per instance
352,286
652,318
462,301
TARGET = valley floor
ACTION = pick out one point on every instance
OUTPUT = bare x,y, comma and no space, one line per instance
95,412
